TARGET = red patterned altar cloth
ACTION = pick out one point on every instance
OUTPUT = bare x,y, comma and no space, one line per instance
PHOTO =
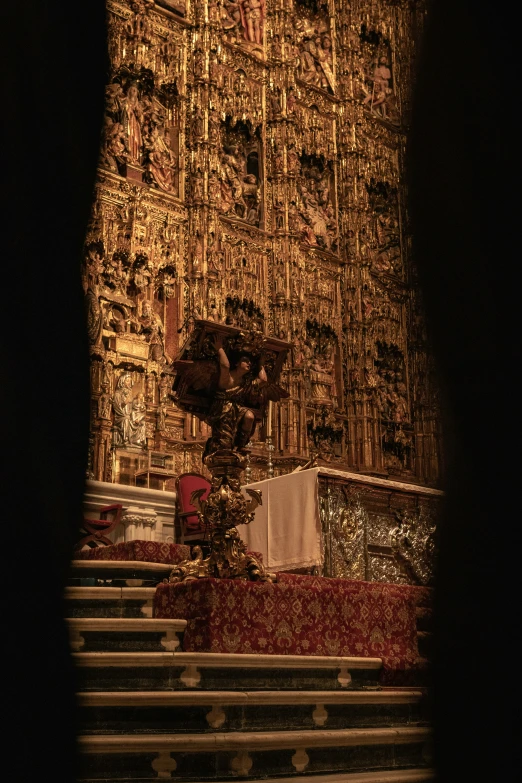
145,551
299,615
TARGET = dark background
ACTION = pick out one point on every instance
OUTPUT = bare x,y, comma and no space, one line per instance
53,76
464,187
465,207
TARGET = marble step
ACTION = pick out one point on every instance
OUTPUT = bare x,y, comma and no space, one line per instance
386,776
156,671
109,601
130,573
229,755
124,633
190,711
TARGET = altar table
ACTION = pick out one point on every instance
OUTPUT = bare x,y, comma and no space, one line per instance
345,525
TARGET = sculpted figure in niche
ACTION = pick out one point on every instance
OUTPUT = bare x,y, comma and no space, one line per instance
131,113
252,18
122,407
277,48
239,189
161,417
230,15
104,402
114,151
214,125
325,61
142,275
318,224
114,98
198,122
379,93
290,100
152,327
322,375
139,25
315,62
138,414
198,186
308,71
161,162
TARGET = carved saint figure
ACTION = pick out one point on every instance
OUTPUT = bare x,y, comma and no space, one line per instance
237,187
138,414
122,407
230,14
315,62
131,113
152,326
161,162
114,150
252,18
380,98
104,402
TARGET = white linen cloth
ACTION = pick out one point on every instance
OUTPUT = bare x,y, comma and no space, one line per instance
287,526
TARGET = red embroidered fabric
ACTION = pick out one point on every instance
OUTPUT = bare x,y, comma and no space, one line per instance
299,615
147,551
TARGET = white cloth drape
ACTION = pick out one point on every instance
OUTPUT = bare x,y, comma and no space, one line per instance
287,526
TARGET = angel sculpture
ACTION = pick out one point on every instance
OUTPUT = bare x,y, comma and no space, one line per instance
234,396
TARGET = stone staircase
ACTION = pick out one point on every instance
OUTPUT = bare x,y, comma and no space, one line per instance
149,711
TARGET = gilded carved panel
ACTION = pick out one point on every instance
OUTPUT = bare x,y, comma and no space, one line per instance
251,172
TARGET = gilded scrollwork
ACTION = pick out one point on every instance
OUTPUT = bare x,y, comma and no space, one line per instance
414,542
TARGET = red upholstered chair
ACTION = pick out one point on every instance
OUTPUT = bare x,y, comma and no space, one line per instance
97,529
191,529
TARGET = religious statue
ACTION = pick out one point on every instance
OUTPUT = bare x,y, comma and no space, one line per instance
322,381
160,161
104,402
129,414
315,65
131,114
379,96
138,414
252,19
230,15
122,407
161,417
152,327
318,224
239,190
114,150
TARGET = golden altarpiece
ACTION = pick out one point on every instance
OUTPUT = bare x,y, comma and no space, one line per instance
251,173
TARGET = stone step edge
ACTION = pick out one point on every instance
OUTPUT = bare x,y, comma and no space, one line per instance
225,660
109,593
121,624
238,698
391,776
170,642
193,663
250,740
